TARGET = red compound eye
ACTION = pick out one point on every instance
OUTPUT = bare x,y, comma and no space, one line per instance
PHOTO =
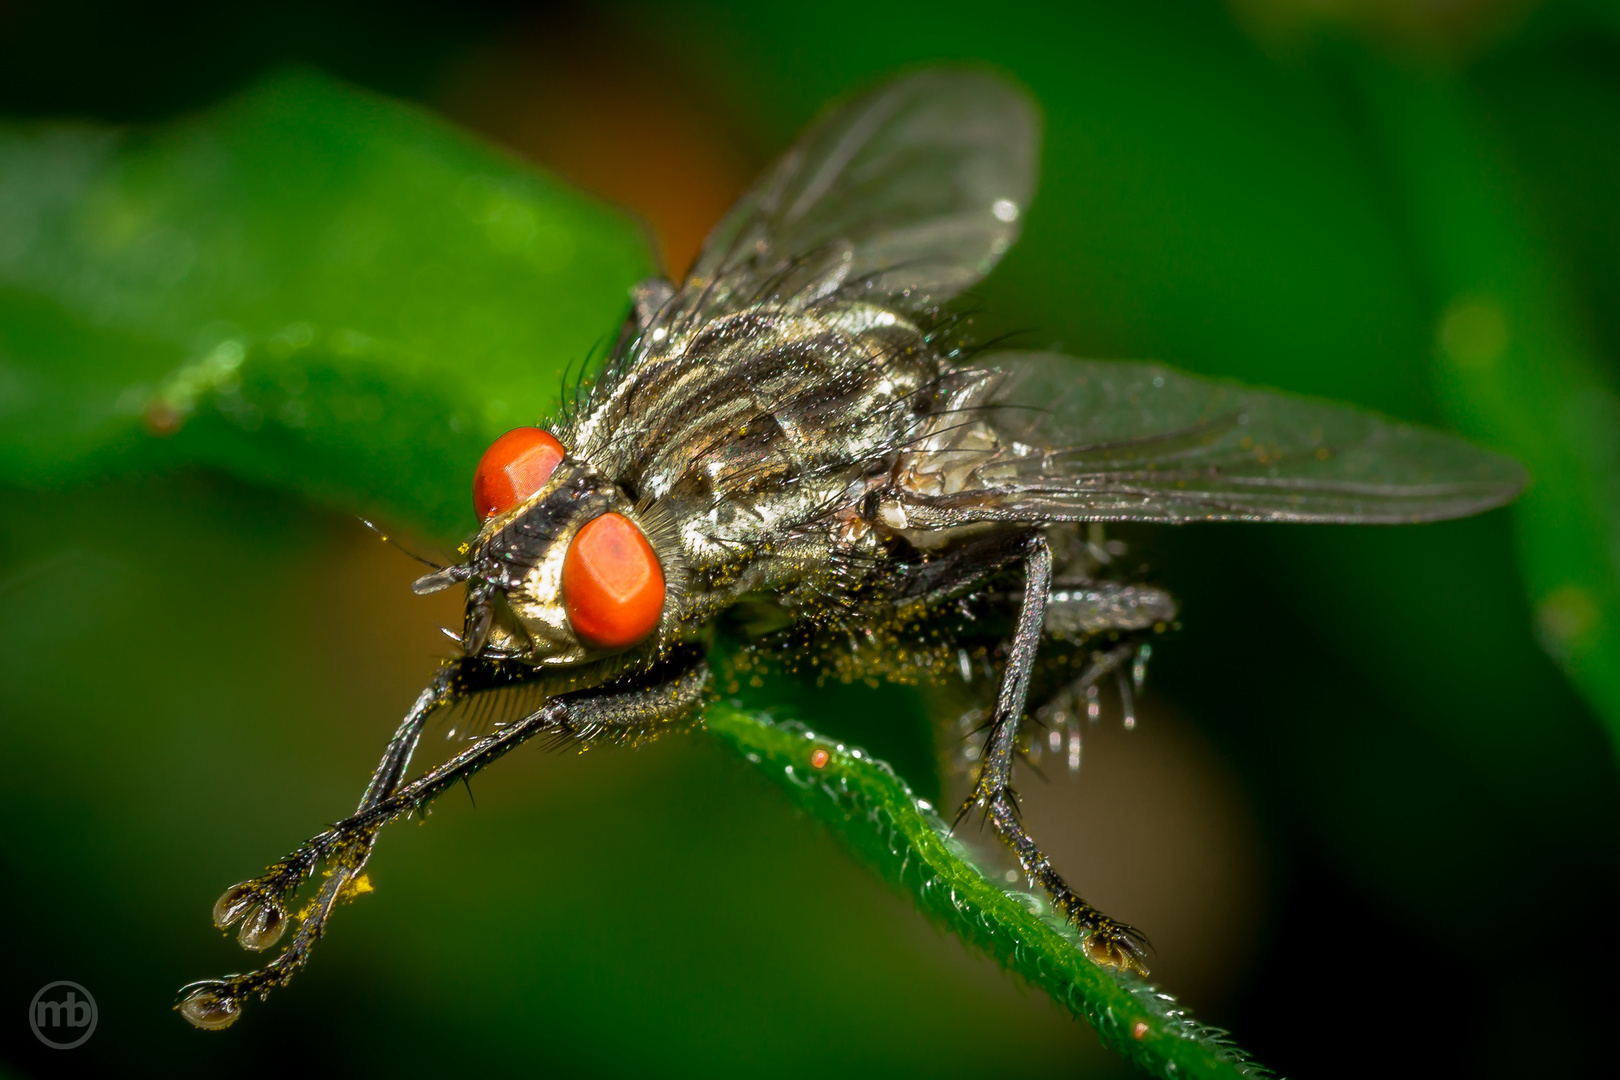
515,466
612,585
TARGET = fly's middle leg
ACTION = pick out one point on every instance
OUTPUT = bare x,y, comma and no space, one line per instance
1107,942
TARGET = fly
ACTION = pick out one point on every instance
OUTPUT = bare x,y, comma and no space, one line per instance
792,431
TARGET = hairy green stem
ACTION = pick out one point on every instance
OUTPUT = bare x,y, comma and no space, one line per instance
876,814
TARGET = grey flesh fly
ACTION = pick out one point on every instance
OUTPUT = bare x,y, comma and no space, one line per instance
791,431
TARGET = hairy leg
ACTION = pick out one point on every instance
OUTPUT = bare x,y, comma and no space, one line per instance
1062,709
258,903
1107,942
669,692
1082,609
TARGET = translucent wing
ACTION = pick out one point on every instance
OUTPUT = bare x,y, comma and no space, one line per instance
1088,440
906,195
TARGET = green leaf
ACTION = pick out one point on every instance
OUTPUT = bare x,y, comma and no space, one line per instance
329,293
309,287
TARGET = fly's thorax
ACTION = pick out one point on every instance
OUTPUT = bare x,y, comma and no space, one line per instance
534,592
753,401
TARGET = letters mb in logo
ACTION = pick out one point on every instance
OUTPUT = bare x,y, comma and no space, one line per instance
62,1014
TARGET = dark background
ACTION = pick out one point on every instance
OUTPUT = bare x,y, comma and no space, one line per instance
1367,820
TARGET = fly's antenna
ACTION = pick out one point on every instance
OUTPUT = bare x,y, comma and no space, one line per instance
390,540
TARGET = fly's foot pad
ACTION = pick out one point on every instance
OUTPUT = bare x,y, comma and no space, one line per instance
217,1003
210,1006
1117,947
263,917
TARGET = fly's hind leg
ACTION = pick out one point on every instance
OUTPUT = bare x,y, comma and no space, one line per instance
638,704
1124,617
1076,610
1107,941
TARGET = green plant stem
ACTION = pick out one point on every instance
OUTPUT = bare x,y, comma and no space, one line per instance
876,814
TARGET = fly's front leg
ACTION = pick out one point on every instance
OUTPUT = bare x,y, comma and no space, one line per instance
1107,942
260,904
670,692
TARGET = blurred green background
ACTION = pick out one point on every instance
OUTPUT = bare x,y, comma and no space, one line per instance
1369,816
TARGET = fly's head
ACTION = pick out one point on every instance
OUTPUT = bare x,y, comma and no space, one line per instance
562,571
